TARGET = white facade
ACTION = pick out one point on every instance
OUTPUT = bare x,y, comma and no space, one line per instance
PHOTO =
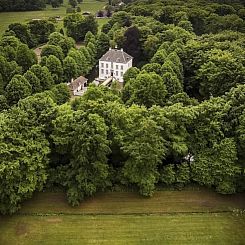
114,67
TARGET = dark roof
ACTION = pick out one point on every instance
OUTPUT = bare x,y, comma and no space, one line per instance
77,82
116,55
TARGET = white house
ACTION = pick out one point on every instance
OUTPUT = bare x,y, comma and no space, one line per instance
114,63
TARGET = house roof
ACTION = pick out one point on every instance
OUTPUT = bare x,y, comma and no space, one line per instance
117,56
77,82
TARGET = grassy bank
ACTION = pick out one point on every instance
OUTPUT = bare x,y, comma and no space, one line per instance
203,200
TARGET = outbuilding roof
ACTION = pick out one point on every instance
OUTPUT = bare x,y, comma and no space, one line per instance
77,82
117,56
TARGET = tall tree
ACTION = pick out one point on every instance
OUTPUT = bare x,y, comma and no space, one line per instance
70,69
25,57
132,44
86,141
146,89
34,81
73,3
55,68
18,88
43,74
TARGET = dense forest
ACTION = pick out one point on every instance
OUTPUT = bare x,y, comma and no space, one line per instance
179,118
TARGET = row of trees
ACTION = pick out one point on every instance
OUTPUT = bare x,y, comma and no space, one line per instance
33,33
97,142
78,25
208,17
21,76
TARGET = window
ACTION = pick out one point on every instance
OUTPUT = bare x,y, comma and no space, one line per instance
106,65
102,71
102,64
116,73
121,67
117,67
121,74
107,71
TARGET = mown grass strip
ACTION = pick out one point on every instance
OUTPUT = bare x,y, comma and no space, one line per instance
124,229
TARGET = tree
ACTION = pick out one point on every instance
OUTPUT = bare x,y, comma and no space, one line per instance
43,74
92,52
168,174
55,68
77,26
73,3
18,88
146,89
132,44
172,83
219,73
34,81
54,38
66,43
151,45
24,157
143,145
55,3
186,24
61,93
40,30
131,73
81,61
159,57
70,69
3,103
86,141
7,71
102,44
22,32
152,67
22,5
217,166
52,50
89,60
89,37
122,18
25,57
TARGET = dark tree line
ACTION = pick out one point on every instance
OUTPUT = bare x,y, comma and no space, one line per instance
21,5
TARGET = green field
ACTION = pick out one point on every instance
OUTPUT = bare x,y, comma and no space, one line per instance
23,17
169,217
124,229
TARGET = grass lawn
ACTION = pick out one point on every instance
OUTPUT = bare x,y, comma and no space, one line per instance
180,229
22,17
169,217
